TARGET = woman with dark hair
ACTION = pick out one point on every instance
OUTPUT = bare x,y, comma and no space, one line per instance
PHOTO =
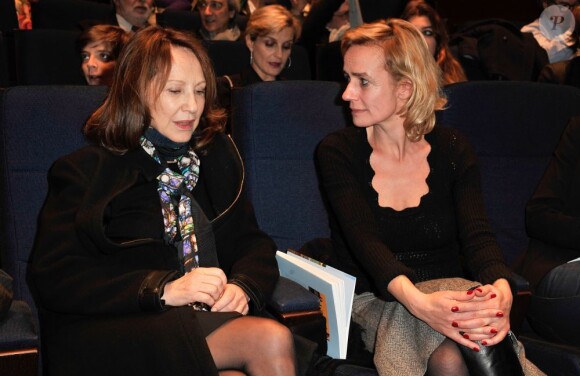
427,20
148,258
99,47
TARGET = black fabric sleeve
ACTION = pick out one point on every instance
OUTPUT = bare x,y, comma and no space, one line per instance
71,272
552,214
152,288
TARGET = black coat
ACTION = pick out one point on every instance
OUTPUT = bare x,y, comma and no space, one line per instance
94,294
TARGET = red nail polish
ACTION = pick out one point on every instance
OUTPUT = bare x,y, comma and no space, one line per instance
480,290
493,331
454,309
454,324
499,314
493,296
476,349
469,292
466,336
484,343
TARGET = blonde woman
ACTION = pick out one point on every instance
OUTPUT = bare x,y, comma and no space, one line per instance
270,34
408,218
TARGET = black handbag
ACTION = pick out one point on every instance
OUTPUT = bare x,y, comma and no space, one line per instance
498,360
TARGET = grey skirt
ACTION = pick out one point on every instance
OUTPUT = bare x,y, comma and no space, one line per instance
401,343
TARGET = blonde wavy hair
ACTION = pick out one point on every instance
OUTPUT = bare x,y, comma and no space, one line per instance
406,57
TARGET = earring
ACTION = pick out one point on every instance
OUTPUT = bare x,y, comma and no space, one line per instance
251,57
289,62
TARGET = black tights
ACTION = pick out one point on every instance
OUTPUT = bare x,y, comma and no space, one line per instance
446,360
256,346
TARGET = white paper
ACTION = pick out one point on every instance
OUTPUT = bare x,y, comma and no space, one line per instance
335,285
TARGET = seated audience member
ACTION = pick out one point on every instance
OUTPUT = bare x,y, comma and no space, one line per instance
99,47
426,19
553,224
559,47
218,19
408,219
148,258
270,33
327,20
130,15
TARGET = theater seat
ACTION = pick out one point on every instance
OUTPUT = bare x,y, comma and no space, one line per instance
515,127
47,57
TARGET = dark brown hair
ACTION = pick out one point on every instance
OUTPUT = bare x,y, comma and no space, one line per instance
141,73
111,36
451,68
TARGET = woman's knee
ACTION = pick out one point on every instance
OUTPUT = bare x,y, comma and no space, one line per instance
276,336
447,360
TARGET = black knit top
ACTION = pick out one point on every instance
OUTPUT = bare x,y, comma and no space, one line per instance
447,235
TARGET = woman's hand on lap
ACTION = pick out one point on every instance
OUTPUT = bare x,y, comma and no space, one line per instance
233,299
203,285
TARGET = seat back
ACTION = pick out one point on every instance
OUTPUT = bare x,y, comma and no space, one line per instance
514,128
8,17
329,62
180,20
67,14
47,57
38,124
4,64
277,126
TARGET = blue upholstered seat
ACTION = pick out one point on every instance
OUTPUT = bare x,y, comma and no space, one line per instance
515,127
277,126
37,125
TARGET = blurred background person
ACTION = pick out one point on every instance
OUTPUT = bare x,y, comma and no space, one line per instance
270,34
218,19
430,24
132,15
99,47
